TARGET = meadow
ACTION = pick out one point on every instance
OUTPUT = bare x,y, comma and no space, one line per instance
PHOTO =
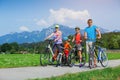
25,60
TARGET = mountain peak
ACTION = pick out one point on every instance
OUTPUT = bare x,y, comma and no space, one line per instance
36,36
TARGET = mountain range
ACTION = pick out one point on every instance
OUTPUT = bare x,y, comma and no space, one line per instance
36,36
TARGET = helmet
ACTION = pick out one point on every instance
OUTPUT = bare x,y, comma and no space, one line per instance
56,26
65,38
77,28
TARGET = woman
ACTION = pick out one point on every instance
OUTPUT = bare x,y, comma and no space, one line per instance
57,37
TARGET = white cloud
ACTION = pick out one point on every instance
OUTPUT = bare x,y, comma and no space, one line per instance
64,16
41,22
24,28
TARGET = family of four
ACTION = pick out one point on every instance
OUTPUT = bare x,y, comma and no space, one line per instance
90,35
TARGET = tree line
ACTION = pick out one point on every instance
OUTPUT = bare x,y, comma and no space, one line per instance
110,41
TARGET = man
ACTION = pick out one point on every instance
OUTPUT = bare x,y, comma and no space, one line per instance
90,36
57,37
77,39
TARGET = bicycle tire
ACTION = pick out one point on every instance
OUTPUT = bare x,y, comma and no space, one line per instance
104,59
59,60
91,60
44,57
71,58
84,56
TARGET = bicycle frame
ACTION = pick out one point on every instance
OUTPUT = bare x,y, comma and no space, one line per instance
49,46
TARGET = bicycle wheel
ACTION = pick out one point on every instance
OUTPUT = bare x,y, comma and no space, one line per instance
44,57
104,58
71,58
91,60
84,56
59,60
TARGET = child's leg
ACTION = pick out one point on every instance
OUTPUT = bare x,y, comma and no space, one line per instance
66,55
80,56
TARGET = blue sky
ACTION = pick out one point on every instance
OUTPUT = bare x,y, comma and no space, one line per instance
30,15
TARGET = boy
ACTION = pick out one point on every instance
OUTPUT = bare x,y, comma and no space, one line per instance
77,39
67,47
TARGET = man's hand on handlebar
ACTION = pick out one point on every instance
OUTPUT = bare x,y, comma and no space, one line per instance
99,37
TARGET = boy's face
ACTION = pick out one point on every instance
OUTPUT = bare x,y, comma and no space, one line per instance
77,30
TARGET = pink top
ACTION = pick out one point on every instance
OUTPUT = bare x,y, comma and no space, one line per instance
58,37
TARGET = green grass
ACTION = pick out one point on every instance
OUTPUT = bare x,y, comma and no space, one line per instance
112,56
104,74
23,60
18,60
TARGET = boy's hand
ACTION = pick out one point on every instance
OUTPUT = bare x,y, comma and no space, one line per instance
80,40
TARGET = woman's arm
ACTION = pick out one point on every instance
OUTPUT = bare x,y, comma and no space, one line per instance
49,36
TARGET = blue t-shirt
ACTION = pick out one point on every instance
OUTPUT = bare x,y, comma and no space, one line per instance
91,33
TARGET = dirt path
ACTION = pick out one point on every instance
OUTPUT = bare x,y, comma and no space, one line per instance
25,73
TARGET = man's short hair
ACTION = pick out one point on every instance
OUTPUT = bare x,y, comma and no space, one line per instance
89,20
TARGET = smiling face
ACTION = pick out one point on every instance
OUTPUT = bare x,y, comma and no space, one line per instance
89,22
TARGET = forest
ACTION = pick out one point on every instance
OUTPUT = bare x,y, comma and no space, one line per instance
109,41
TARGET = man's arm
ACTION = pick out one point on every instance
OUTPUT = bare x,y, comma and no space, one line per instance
99,33
85,35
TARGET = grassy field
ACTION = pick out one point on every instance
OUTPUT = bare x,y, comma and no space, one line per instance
23,60
112,56
18,60
104,74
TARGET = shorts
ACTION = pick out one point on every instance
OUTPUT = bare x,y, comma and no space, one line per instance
66,52
79,47
89,44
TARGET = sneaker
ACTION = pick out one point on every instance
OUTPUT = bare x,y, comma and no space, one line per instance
95,65
80,65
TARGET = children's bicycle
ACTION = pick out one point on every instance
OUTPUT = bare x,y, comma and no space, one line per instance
73,57
99,52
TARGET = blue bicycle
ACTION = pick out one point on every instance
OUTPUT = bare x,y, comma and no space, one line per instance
99,52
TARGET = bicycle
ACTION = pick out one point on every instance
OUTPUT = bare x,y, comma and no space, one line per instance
100,53
46,57
74,58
